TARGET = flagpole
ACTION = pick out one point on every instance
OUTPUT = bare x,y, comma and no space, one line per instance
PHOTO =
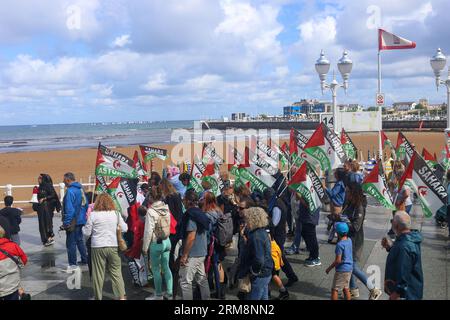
381,108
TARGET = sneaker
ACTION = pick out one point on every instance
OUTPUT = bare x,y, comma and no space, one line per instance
155,297
292,250
375,294
290,282
283,296
71,268
313,262
354,293
49,242
317,262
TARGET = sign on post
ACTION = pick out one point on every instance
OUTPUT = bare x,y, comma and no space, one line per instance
328,119
380,99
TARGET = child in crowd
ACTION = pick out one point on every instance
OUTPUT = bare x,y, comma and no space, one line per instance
278,263
337,197
343,263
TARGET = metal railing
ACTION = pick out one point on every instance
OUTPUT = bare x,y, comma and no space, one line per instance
9,188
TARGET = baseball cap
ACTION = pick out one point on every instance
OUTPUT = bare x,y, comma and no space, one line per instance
342,228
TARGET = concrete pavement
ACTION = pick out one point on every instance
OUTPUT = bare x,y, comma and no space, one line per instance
45,277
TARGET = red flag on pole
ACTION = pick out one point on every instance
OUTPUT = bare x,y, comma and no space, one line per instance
389,41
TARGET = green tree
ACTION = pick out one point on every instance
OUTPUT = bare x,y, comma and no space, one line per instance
372,109
419,106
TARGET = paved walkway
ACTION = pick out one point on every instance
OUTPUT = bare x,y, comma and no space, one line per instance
45,277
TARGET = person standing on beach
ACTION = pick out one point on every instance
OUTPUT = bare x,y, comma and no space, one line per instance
48,202
14,218
75,205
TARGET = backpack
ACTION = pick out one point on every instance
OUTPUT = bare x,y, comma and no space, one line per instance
224,230
162,227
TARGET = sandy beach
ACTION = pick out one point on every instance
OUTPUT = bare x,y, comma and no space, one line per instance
24,168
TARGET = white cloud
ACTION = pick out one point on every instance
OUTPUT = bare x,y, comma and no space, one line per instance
156,82
122,41
322,29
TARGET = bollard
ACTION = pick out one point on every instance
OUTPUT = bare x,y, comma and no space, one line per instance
61,191
9,189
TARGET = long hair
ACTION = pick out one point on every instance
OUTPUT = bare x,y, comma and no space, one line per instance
356,195
167,188
104,202
256,218
209,203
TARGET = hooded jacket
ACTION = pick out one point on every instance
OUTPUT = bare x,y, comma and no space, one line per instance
157,210
75,204
404,267
9,271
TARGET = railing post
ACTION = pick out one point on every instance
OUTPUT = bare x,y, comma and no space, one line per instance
9,189
61,191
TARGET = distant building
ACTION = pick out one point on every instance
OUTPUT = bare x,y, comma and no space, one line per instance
355,107
404,106
424,102
306,107
240,116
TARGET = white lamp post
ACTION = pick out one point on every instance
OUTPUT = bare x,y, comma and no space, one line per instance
345,68
438,63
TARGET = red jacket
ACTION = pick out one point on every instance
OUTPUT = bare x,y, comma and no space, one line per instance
9,271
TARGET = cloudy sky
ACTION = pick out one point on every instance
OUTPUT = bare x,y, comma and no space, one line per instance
64,61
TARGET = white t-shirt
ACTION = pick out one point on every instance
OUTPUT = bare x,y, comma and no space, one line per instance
101,226
400,195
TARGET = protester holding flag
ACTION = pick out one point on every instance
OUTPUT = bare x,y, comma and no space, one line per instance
355,211
101,227
309,221
278,213
403,200
157,244
337,197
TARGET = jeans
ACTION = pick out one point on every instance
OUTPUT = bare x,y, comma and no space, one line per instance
310,236
194,271
260,288
74,240
159,257
360,275
298,234
408,208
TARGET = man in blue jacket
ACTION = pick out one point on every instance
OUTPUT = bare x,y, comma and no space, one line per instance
403,275
75,205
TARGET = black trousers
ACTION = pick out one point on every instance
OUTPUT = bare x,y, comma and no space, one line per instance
12,296
45,223
287,268
310,236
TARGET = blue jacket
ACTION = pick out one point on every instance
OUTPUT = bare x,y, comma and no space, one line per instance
257,257
337,194
75,204
178,185
404,267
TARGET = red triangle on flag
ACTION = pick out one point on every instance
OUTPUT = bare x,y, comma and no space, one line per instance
317,138
299,176
209,169
372,177
384,138
293,149
428,156
343,137
409,171
114,184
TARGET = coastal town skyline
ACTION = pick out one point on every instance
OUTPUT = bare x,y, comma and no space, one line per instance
94,61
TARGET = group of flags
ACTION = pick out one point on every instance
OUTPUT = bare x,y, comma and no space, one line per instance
118,175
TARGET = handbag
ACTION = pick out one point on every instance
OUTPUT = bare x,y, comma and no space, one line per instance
245,284
120,241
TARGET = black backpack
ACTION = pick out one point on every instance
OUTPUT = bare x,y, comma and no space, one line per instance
224,230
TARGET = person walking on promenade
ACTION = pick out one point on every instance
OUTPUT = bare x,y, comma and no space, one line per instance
14,218
337,197
75,205
193,232
12,258
157,244
343,263
355,211
257,263
48,202
309,221
101,226
403,276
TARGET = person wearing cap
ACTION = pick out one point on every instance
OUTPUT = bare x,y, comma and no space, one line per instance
343,263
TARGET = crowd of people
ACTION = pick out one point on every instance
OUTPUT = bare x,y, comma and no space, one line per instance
185,236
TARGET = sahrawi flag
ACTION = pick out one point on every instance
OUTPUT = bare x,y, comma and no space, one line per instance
348,145
266,152
201,172
308,185
150,153
432,162
123,192
114,164
385,142
297,142
100,184
432,194
139,166
325,147
389,41
375,185
404,149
